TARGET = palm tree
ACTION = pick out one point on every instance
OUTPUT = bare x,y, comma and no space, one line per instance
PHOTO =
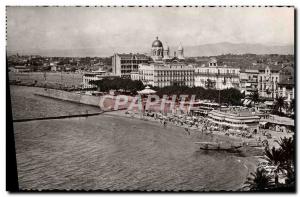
275,157
292,105
287,146
254,97
279,104
290,177
258,181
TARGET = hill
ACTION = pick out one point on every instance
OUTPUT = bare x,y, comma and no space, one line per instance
242,48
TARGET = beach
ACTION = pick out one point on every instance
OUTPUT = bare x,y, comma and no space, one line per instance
113,152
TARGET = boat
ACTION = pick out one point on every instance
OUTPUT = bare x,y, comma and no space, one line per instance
218,146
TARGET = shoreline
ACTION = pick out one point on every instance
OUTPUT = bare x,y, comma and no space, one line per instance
121,113
248,160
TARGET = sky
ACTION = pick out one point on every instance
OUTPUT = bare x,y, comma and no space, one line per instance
104,30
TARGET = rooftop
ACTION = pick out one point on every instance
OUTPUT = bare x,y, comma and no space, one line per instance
132,56
235,112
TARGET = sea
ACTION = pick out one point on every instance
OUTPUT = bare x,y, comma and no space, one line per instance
112,153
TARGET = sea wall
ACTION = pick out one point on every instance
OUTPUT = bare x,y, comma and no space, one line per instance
108,102
70,96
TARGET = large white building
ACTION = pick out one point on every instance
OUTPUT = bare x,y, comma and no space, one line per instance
212,75
286,90
268,80
249,81
166,74
286,85
124,64
164,69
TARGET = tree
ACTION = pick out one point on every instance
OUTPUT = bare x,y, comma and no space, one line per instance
254,97
107,84
279,104
209,84
292,105
283,158
258,181
230,96
287,146
274,157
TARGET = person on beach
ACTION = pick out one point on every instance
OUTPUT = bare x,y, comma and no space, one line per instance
187,131
165,123
243,142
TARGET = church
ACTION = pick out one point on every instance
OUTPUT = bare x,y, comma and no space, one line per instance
163,69
159,53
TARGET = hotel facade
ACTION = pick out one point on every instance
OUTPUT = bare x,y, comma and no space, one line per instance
249,81
162,75
212,75
286,85
270,83
268,80
124,64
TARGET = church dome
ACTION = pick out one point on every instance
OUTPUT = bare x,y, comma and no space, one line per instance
157,43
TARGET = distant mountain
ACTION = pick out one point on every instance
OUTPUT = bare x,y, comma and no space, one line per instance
242,48
189,51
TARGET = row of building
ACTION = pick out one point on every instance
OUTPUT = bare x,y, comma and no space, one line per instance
161,69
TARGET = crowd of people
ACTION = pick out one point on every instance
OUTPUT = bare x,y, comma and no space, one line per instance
195,123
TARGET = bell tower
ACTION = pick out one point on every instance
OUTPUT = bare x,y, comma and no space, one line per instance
180,52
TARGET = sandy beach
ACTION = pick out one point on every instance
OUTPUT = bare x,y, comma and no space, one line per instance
114,151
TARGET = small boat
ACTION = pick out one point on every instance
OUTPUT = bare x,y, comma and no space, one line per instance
254,144
218,146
